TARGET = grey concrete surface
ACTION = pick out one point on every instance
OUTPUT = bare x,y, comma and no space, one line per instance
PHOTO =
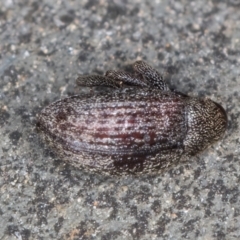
44,45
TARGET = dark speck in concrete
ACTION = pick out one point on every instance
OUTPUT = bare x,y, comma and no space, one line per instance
82,56
67,18
148,38
58,225
160,56
90,4
115,11
162,223
4,117
15,136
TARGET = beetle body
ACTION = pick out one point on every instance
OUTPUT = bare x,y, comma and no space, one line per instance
129,130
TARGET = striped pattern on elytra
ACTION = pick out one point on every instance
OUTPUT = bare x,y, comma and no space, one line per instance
140,125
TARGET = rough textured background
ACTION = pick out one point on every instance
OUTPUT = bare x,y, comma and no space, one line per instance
44,45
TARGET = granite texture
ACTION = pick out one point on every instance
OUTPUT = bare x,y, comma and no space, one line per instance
44,46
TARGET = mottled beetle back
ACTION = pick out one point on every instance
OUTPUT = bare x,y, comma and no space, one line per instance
134,129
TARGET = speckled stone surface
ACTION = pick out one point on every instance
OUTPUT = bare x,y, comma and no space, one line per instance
44,46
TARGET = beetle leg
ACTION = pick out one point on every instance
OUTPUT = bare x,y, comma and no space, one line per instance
97,80
127,78
151,75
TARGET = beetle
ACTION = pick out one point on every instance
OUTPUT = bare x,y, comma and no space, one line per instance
139,126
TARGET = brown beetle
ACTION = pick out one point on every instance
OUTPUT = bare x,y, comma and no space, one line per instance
130,129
